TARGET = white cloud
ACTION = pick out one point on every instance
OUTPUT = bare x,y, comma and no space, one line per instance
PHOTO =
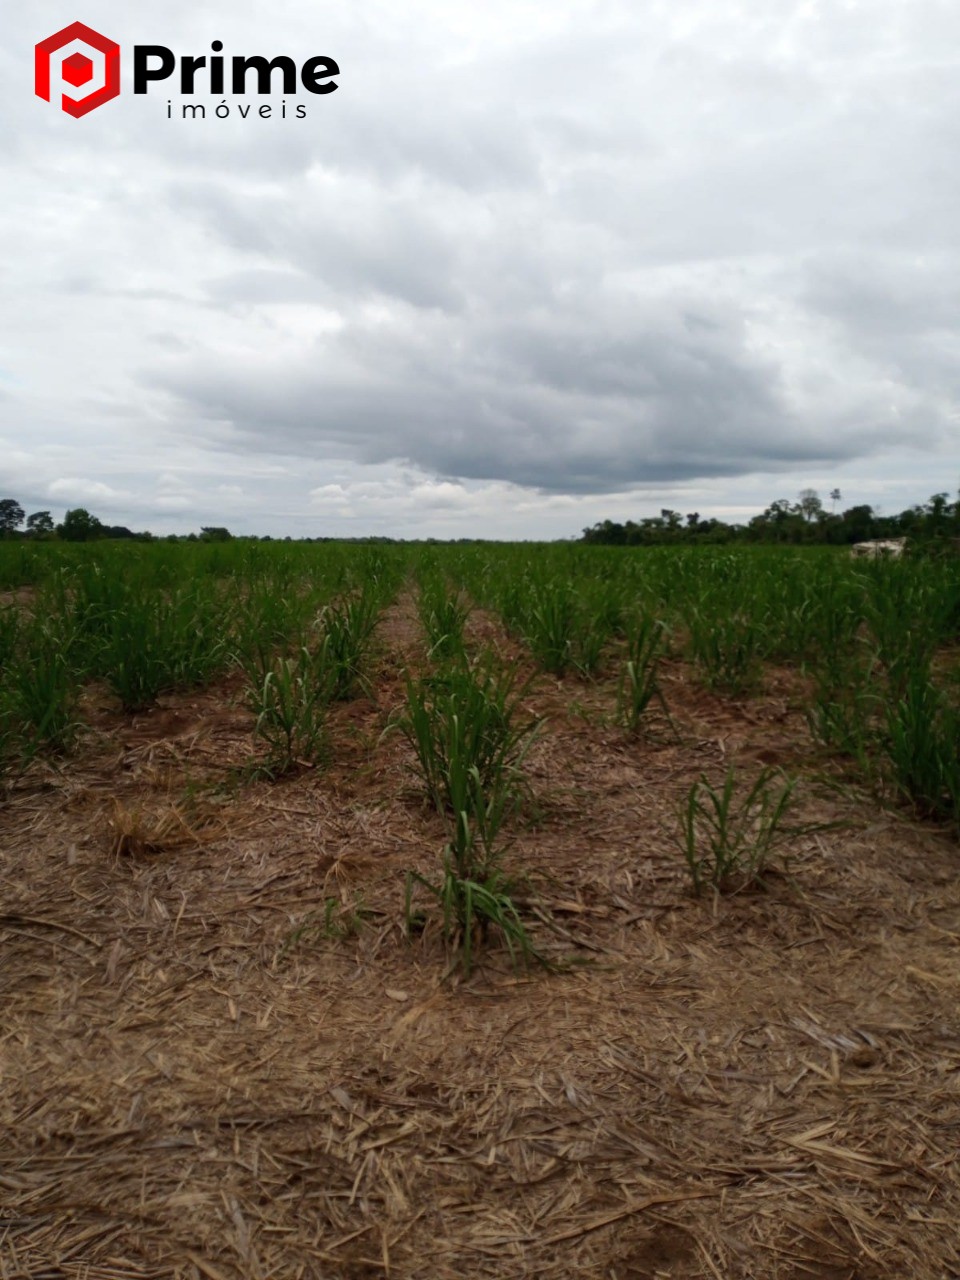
75,489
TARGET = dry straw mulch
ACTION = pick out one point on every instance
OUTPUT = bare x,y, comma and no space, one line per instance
221,1057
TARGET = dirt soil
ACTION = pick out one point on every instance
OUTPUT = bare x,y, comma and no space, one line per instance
222,1056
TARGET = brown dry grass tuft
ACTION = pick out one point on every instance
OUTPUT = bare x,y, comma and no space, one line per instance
159,828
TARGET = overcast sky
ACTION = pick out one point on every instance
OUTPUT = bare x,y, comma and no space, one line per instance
531,265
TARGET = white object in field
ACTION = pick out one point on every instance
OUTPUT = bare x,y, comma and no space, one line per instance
879,547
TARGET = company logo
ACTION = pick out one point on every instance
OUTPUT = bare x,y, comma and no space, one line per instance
80,66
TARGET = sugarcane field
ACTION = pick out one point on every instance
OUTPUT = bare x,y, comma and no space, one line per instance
478,910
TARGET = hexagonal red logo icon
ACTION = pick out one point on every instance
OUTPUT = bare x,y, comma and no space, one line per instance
78,58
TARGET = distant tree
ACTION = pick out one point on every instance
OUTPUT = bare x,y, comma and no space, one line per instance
778,523
11,516
607,531
861,523
835,497
778,511
40,522
214,533
672,520
809,504
938,512
79,526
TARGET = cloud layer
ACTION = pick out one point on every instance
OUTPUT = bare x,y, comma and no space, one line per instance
527,265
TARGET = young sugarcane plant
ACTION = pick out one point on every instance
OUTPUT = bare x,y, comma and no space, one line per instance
726,838
922,747
470,735
474,893
443,615
639,679
348,628
291,709
464,718
42,692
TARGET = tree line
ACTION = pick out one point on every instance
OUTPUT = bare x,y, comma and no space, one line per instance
79,525
807,520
